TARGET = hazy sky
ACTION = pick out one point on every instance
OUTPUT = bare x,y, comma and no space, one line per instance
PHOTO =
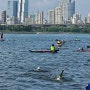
82,6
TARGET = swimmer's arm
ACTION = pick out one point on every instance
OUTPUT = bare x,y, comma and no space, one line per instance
61,74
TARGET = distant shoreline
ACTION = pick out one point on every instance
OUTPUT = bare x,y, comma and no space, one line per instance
25,32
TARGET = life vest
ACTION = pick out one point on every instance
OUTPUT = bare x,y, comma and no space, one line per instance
52,48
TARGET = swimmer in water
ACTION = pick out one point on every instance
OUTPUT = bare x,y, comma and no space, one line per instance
38,69
60,76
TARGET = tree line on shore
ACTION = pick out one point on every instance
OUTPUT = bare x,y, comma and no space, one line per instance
28,28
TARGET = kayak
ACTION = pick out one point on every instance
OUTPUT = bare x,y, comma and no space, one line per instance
43,51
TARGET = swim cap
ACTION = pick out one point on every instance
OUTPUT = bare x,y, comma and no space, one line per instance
58,78
79,48
38,68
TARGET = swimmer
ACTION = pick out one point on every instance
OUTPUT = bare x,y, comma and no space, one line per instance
79,49
87,86
60,76
38,69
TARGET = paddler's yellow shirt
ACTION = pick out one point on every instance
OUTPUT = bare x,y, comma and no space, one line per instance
52,48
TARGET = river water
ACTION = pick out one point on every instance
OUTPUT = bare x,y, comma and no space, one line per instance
17,64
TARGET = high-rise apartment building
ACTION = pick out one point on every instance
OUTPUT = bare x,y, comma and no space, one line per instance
58,15
87,19
22,10
76,19
11,13
12,8
68,9
39,17
55,16
51,16
31,19
4,16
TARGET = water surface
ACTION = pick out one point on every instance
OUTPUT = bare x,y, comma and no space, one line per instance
17,64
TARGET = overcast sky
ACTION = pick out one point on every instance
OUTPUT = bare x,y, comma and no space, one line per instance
82,6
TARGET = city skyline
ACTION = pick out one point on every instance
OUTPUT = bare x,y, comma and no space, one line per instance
82,7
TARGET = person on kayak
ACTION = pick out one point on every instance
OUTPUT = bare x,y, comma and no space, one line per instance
1,35
59,42
76,39
52,48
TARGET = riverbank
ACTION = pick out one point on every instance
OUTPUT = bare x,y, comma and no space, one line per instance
25,32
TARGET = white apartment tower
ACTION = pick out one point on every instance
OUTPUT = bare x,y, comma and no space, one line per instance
58,15
87,19
76,19
39,17
22,10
